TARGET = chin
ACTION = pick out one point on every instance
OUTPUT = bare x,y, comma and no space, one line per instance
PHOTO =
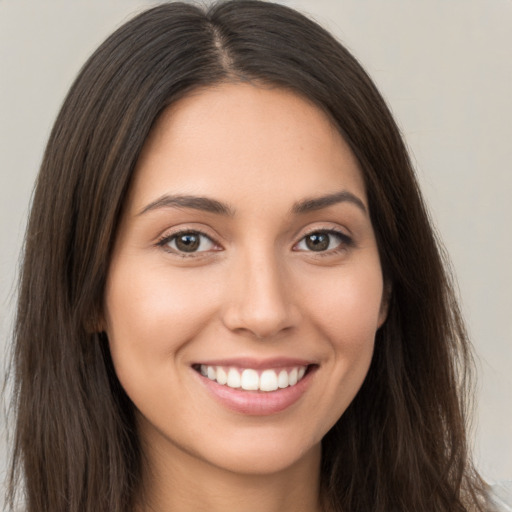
265,458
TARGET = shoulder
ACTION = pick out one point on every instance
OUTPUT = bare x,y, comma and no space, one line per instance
500,495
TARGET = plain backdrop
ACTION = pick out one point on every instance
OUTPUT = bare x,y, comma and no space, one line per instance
445,67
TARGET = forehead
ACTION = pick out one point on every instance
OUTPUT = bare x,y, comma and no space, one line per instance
243,143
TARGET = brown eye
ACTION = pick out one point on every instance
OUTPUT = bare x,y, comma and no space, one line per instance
188,242
321,241
317,241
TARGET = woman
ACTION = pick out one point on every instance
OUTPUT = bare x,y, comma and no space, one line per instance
231,292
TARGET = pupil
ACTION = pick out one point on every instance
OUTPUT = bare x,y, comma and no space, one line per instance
187,243
318,241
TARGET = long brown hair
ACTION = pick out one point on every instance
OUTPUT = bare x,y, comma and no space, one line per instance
401,444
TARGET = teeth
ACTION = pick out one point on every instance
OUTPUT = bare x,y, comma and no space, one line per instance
233,378
268,380
250,380
222,376
282,379
211,373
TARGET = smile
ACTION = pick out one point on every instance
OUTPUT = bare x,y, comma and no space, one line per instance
249,379
256,388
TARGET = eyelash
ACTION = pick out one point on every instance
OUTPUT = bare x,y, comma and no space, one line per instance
346,242
166,239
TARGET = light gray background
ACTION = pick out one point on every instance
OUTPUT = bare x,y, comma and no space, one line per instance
444,66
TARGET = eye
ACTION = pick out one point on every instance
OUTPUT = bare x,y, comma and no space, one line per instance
322,241
187,242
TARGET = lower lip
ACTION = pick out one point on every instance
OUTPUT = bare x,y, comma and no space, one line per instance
257,403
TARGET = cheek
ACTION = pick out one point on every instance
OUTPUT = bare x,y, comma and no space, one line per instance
349,307
348,314
150,315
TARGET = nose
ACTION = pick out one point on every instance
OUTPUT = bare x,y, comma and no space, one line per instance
259,298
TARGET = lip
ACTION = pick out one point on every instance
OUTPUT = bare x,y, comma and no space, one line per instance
258,403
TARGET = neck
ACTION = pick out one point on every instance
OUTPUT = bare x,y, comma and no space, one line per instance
182,482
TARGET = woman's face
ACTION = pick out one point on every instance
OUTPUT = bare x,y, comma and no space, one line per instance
245,258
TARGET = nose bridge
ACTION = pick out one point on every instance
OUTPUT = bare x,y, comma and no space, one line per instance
259,294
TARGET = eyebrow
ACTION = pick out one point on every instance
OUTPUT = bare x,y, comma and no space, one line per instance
318,203
205,204
213,206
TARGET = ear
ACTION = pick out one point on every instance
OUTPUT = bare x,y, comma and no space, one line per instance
384,305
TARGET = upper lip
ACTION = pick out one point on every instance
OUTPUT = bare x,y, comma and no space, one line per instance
257,364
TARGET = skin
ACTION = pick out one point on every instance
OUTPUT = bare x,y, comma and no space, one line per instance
255,290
